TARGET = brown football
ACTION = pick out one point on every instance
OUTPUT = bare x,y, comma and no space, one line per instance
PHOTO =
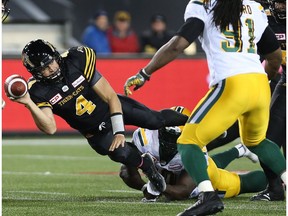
15,86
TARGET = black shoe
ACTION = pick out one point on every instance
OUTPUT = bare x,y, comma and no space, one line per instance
153,175
208,203
269,195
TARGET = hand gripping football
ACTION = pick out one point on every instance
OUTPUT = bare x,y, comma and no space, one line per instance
15,86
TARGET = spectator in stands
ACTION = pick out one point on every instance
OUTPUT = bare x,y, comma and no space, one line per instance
121,36
95,35
156,36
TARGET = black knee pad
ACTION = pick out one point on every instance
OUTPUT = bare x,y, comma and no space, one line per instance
126,155
120,154
123,174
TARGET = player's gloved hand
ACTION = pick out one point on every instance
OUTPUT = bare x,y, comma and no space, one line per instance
137,80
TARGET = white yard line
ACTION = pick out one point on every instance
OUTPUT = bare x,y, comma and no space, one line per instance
124,191
45,142
40,173
50,157
37,192
47,173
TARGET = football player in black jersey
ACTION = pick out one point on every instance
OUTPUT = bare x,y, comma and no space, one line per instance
277,122
69,86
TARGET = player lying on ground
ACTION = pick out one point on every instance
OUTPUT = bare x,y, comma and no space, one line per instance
161,144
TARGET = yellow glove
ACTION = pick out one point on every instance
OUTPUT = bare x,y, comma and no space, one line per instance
137,80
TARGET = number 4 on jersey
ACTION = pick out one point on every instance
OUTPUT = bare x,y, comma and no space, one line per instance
83,106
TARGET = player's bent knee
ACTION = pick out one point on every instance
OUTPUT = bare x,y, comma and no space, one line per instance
123,174
252,143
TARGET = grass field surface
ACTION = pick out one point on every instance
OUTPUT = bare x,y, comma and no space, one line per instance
62,176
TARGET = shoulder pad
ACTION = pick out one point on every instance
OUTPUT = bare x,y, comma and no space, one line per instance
85,59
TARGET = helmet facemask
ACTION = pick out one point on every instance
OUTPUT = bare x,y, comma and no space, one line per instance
54,77
168,138
167,143
278,10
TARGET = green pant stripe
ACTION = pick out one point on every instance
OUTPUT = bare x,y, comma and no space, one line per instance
211,99
197,2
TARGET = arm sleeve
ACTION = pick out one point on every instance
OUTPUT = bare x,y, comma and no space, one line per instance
268,42
95,78
191,29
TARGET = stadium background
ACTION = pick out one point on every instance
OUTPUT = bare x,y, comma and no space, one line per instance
62,23
43,175
79,12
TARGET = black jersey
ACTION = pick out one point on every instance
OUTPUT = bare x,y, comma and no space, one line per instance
73,98
280,32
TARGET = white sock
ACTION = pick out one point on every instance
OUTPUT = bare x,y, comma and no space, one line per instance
241,149
205,186
283,177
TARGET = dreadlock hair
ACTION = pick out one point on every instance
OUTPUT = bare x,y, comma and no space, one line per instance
226,12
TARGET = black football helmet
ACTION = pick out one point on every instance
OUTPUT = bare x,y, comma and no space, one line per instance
168,143
5,10
37,55
278,10
168,138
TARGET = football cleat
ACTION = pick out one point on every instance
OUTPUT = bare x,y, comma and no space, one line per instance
268,195
208,203
156,179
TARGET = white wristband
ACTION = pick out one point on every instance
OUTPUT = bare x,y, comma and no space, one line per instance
117,123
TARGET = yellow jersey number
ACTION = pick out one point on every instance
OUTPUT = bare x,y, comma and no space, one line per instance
83,106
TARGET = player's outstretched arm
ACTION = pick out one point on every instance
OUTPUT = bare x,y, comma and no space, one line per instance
186,35
163,56
43,118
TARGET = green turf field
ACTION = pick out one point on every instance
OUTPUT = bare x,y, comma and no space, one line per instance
66,177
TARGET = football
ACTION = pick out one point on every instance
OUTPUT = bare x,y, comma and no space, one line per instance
15,86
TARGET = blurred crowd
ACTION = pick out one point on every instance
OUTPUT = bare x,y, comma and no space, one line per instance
118,36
